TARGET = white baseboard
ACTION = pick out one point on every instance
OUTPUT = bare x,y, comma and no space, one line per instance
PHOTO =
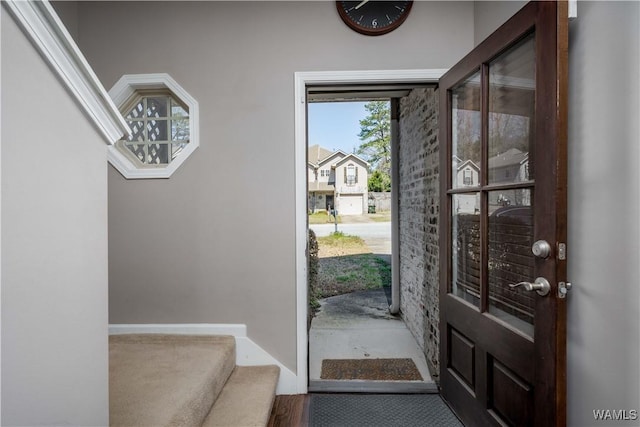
248,353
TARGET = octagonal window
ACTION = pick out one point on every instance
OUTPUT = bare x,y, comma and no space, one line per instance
162,119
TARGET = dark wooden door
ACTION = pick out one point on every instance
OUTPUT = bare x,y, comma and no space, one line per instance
503,112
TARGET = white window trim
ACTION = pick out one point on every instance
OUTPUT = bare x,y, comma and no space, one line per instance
122,91
49,35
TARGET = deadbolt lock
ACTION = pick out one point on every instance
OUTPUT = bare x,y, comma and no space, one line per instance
541,249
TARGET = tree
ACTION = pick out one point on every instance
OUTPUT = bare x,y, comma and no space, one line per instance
375,133
379,182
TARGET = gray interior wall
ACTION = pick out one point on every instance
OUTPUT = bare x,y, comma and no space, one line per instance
54,248
489,15
215,243
604,185
67,10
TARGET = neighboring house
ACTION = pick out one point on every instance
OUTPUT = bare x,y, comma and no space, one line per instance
467,175
510,166
505,168
337,181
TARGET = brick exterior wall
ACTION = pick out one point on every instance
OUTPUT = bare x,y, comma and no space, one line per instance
418,217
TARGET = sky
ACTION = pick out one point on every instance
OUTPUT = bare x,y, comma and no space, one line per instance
335,125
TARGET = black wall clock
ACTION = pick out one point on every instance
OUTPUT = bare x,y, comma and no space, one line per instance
373,18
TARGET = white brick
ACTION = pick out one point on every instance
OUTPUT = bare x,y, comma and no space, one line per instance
418,216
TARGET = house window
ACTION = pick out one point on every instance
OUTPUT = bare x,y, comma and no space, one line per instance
159,129
351,175
163,121
467,177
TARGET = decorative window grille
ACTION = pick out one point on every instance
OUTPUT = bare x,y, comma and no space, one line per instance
163,123
159,129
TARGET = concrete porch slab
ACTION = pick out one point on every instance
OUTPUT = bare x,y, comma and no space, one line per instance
359,326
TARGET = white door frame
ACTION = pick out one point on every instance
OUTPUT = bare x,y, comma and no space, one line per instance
302,81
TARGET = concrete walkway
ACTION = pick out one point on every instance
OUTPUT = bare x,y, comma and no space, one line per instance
359,326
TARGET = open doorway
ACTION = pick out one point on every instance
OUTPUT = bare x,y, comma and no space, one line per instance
330,81
358,340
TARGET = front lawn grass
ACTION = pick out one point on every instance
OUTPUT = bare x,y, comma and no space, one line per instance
346,265
322,218
350,273
344,241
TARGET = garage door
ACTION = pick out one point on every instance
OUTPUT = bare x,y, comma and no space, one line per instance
350,205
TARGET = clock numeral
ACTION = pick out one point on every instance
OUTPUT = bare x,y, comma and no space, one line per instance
371,17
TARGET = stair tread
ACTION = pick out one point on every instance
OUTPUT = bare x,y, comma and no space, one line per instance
247,398
160,380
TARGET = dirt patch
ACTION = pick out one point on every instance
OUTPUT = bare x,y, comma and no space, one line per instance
326,251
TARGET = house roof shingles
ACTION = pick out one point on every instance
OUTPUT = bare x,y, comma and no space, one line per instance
317,154
513,156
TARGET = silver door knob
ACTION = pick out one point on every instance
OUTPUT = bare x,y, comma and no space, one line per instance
541,249
540,285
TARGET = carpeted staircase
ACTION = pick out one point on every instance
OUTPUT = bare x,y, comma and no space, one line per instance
186,380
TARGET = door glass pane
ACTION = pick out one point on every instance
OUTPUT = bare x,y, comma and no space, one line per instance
465,248
511,114
510,257
465,133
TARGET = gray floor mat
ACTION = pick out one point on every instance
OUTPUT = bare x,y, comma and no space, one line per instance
378,410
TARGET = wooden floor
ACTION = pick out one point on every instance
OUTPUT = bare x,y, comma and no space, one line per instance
290,411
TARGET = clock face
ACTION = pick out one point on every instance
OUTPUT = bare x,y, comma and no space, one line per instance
373,18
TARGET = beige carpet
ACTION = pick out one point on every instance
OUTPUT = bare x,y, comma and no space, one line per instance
370,369
247,398
162,380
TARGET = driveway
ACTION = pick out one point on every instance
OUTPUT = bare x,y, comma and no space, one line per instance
376,235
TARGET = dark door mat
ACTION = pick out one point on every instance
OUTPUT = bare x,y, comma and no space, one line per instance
380,410
370,369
